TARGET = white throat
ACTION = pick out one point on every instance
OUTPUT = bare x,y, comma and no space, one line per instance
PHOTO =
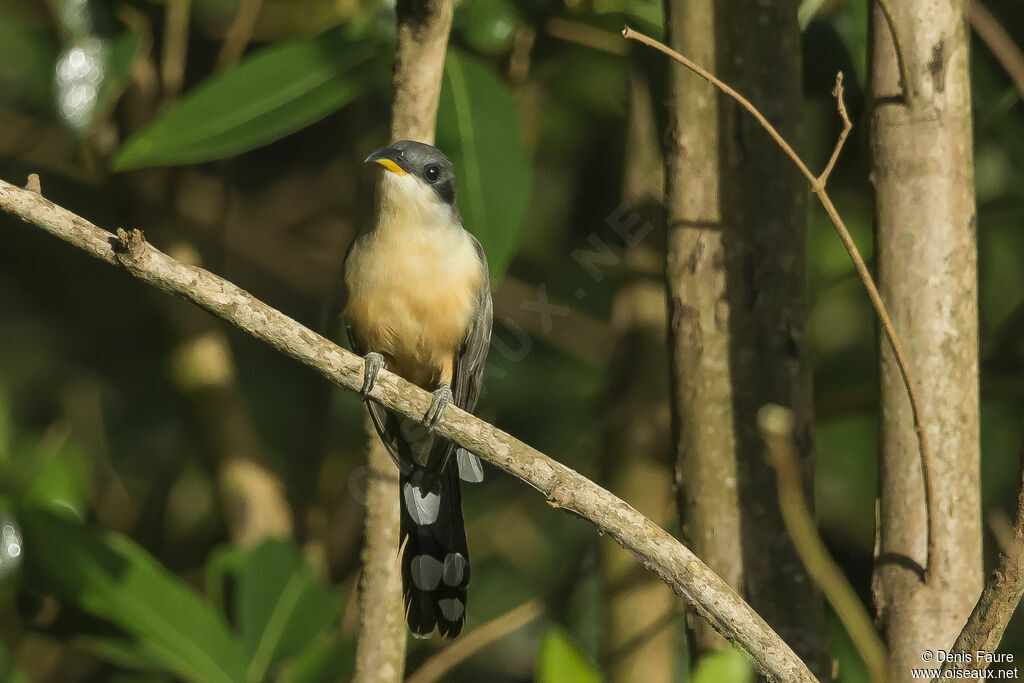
406,202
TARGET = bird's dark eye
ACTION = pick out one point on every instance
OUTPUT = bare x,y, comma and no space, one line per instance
432,172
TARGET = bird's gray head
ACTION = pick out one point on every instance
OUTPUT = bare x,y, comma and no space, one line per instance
427,165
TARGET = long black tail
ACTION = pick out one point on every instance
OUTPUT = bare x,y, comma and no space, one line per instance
435,562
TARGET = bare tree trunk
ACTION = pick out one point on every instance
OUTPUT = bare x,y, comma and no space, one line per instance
423,28
764,214
380,649
699,312
640,632
922,170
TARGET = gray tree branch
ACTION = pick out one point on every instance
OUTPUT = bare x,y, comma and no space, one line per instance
998,602
564,488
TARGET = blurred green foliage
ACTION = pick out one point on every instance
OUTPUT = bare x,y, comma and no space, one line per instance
126,575
560,661
727,666
474,119
276,92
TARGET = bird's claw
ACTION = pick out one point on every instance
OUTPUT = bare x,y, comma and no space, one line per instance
442,397
372,364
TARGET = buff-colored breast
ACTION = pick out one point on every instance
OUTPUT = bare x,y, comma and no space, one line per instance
413,284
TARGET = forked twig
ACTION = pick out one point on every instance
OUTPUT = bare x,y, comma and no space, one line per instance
837,92
818,186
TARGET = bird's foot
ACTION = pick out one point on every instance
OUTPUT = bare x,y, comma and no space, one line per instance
372,364
442,397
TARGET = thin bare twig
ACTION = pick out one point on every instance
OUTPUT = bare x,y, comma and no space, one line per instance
837,92
776,425
655,548
587,36
818,186
999,43
239,33
468,645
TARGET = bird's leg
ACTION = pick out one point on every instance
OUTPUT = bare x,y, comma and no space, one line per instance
372,364
442,397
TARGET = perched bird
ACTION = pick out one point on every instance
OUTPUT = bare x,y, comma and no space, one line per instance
419,303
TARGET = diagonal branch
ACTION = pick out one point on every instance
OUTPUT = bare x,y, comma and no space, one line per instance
999,42
776,424
818,187
997,604
564,488
468,645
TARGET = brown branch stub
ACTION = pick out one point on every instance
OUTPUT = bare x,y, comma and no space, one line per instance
129,242
33,184
655,548
858,262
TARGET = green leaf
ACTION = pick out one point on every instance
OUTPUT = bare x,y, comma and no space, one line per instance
561,661
478,128
118,650
110,577
266,97
808,9
121,53
223,561
62,476
725,666
281,606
